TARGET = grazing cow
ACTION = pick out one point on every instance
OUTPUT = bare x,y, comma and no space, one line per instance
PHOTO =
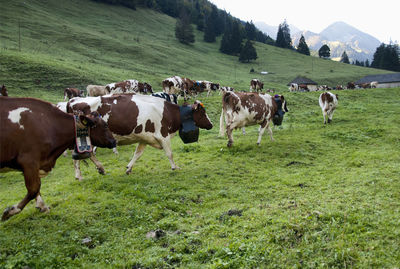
96,90
294,87
374,84
256,85
328,103
365,85
172,98
351,85
242,109
146,120
209,86
34,134
72,92
303,87
3,91
194,87
339,87
174,85
129,86
226,89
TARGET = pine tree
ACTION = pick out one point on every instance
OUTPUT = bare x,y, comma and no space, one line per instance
183,29
283,39
324,51
231,42
345,58
250,30
248,52
210,30
302,47
387,57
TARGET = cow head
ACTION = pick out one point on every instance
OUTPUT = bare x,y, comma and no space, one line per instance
148,88
3,91
100,135
214,86
81,93
200,116
284,107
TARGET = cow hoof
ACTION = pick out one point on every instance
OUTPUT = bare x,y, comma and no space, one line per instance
79,178
101,171
128,172
9,212
329,120
229,144
44,209
175,168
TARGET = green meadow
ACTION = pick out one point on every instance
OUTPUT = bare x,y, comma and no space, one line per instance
319,196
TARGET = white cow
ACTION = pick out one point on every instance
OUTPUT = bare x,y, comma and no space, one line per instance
328,102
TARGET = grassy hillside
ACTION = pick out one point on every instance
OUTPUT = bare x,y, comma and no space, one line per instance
81,42
317,197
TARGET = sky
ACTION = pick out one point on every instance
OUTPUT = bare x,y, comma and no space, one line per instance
378,18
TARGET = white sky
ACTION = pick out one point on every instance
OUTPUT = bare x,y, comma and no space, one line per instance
380,19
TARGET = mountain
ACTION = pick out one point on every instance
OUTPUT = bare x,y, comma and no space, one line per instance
273,30
339,36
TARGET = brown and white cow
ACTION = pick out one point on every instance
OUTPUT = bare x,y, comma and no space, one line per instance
182,86
328,102
96,90
374,84
129,86
72,92
33,135
209,86
303,87
256,85
351,85
146,120
3,91
294,87
240,109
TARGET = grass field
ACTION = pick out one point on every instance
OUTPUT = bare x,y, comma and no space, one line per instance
319,196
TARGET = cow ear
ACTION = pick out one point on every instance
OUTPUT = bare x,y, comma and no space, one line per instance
87,121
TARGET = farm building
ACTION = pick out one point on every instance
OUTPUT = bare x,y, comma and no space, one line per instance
384,80
311,85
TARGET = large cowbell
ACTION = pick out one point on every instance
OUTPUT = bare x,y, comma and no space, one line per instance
188,132
83,146
278,117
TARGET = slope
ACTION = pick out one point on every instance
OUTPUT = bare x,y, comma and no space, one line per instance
47,46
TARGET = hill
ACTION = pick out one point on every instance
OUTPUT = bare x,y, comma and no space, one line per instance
86,42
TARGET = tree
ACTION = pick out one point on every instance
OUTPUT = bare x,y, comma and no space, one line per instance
250,30
210,30
283,39
344,58
302,47
387,57
231,42
248,52
183,28
324,52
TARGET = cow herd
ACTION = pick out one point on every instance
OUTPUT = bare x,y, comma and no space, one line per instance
350,85
35,133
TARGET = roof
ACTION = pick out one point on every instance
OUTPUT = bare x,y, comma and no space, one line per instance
383,78
303,80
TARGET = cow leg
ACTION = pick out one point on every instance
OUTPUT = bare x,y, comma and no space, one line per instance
264,126
243,130
208,92
115,151
138,152
166,145
230,137
32,183
77,168
330,115
324,113
98,164
221,124
41,205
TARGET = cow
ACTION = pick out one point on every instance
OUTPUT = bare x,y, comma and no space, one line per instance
294,87
339,87
3,91
96,90
34,134
240,109
365,85
328,103
351,85
256,85
374,84
72,92
182,86
209,86
303,87
226,89
146,120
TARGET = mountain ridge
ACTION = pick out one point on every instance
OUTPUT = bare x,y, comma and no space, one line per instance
339,36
